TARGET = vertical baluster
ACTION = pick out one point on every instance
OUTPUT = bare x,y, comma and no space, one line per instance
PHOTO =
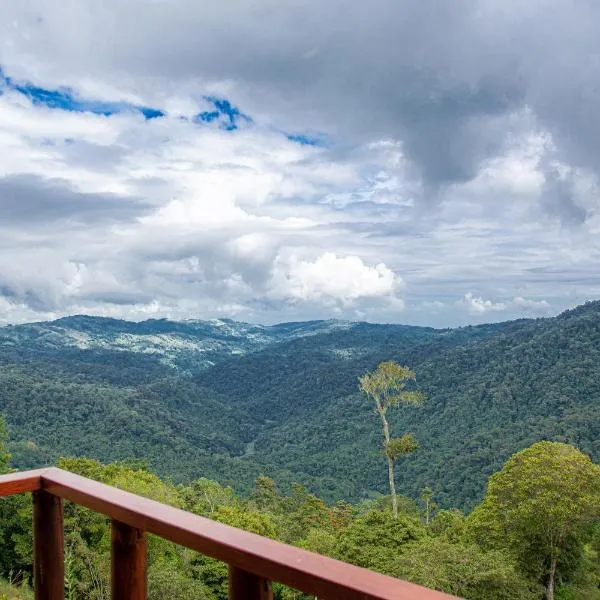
129,572
247,586
48,547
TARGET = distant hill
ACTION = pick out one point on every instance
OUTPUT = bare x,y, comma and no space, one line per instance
231,400
193,344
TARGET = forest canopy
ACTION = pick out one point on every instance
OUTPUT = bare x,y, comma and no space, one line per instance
465,555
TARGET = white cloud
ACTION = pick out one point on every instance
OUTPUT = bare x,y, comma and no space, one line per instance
433,305
443,171
478,306
526,304
15,312
338,278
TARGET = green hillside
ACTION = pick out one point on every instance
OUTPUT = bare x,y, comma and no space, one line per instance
289,407
488,396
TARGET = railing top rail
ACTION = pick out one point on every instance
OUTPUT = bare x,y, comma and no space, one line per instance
23,481
306,571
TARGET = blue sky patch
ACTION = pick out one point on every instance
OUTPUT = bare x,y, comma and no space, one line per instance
221,113
305,139
228,117
65,99
150,113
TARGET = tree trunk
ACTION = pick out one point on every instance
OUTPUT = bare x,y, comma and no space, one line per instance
386,439
392,487
551,578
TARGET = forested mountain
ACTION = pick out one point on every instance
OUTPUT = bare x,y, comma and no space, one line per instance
193,344
230,401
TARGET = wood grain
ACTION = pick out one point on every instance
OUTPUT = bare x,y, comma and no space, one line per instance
246,586
17,483
48,546
302,570
129,563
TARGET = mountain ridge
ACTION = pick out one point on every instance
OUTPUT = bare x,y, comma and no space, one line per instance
292,398
168,339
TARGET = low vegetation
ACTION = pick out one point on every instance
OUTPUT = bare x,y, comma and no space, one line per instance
518,544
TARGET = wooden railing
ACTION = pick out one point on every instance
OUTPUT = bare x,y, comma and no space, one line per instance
254,561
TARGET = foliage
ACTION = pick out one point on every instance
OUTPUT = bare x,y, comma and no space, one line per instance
373,540
290,411
476,558
287,420
11,591
164,581
4,453
10,522
463,570
429,505
541,504
492,390
401,446
387,386
448,524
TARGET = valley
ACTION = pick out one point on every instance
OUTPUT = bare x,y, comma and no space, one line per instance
230,401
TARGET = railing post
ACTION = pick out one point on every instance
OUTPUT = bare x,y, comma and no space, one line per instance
129,576
247,586
48,547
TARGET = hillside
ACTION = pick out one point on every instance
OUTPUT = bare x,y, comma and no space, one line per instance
193,344
487,399
282,400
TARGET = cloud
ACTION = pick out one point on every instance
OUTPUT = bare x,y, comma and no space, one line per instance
432,76
478,306
299,165
532,305
568,194
343,279
31,199
15,312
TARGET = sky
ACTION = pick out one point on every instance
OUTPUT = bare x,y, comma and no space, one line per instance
414,161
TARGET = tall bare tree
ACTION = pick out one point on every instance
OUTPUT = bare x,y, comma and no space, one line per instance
387,387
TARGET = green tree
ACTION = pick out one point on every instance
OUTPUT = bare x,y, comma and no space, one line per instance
387,387
4,453
265,494
375,539
303,511
464,570
167,580
204,496
427,498
14,519
540,504
11,591
448,524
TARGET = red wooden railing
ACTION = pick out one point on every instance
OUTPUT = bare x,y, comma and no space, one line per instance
254,561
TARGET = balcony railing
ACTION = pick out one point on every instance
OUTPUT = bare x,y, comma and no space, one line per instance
254,561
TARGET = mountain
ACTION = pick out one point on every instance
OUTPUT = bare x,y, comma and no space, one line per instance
490,393
194,344
230,400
